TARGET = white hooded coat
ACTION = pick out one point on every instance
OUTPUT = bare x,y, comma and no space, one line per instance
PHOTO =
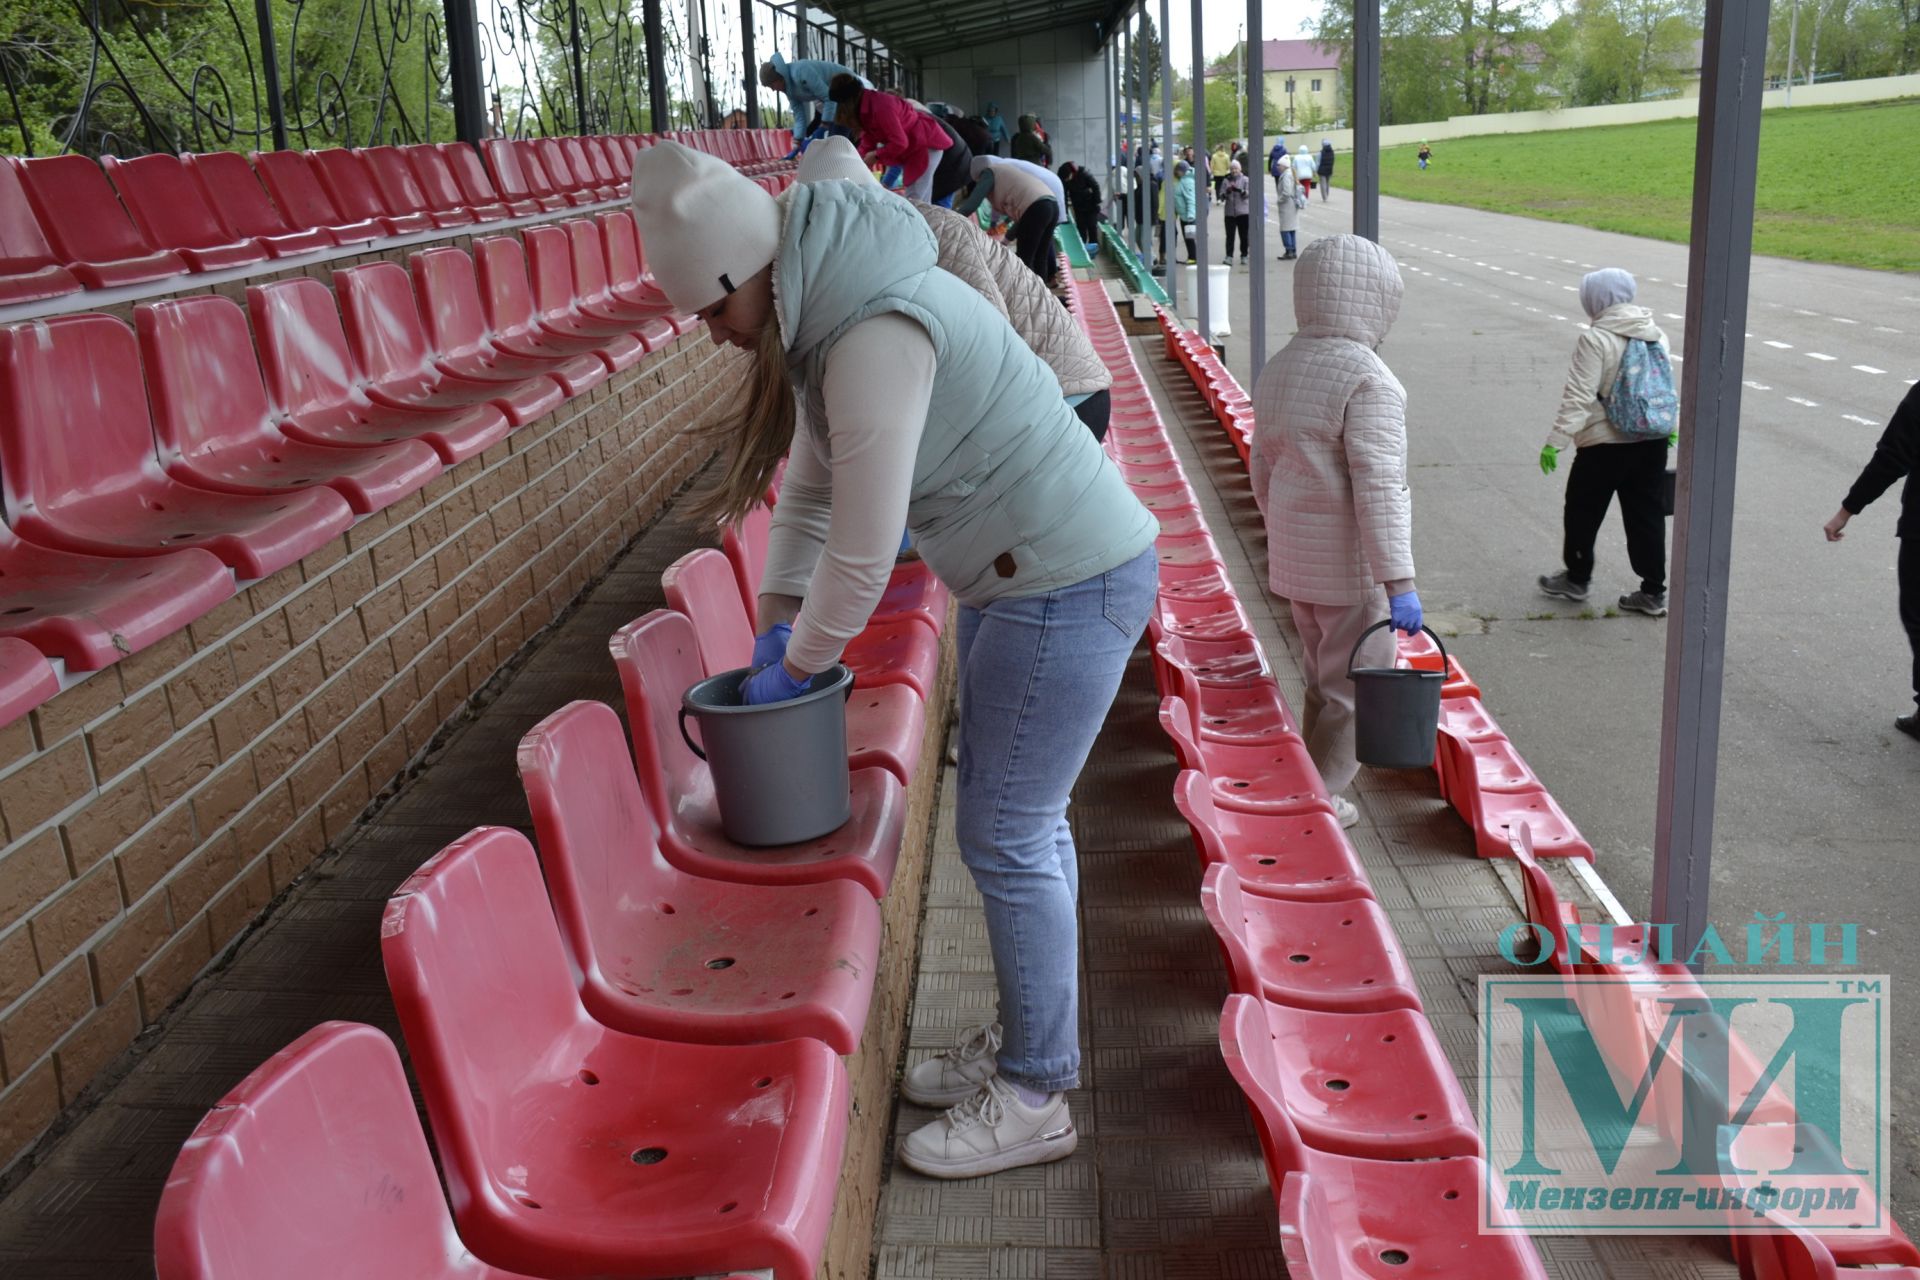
1329,455
1582,420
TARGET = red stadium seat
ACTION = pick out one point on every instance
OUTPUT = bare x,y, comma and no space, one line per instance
662,953
1228,660
1348,1218
1374,1085
912,590
1187,550
28,271
506,297
627,276
549,276
1300,857
216,431
594,177
91,611
1495,815
442,188
1194,582
400,190
171,210
319,395
1871,1236
593,295
573,1151
230,186
327,1125
389,346
476,185
885,724
463,341
543,157
1338,957
611,171
1274,777
514,180
1238,714
348,179
1210,618
26,679
658,659
294,183
90,234
80,472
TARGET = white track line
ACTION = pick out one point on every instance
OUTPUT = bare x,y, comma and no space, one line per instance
1811,404
1819,355
1867,368
1854,417
1780,346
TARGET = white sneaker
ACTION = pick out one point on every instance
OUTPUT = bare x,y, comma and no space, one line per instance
957,1074
991,1131
1343,809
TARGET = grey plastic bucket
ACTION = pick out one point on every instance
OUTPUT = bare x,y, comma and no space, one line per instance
1396,712
779,769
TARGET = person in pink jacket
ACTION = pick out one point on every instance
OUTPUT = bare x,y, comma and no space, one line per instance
893,132
1329,464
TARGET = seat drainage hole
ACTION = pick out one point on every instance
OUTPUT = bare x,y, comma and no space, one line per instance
528,1202
1451,1195
681,991
1366,982
666,908
24,608
763,1082
1395,1257
1388,1039
650,1155
1299,957
1240,785
1339,1086
720,962
1419,1115
1268,862
788,995
811,911
729,1206
587,1077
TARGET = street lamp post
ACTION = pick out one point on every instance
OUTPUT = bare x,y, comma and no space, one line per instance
1289,104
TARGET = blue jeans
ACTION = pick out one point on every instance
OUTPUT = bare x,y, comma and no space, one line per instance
1037,676
1287,241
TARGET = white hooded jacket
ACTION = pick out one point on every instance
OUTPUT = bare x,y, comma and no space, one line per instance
1329,456
1582,420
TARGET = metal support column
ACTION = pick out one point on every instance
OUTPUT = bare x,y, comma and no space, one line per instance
580,123
800,32
1255,53
840,34
1148,213
1726,158
470,123
1172,222
749,64
1366,119
659,101
1202,185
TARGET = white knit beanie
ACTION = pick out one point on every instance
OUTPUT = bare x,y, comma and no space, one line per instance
707,227
830,158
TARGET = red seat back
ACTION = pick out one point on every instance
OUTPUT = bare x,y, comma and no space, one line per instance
294,183
303,350
74,423
575,153
745,542
480,981
588,258
81,217
701,585
385,337
549,270
395,181
347,179
658,659
545,155
600,160
1246,1042
506,295
312,1168
436,178
27,267
509,175
167,202
450,305
599,843
202,377
464,163
229,184
626,261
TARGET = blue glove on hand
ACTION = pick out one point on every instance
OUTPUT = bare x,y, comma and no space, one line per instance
772,684
891,178
1404,609
791,154
771,645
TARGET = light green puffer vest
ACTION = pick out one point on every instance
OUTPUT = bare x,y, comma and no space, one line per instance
1006,477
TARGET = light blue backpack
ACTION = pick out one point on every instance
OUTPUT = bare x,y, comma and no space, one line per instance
1643,403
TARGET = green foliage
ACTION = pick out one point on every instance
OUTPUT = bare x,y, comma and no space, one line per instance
1865,215
1606,51
1441,58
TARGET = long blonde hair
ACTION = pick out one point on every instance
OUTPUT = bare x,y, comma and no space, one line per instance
755,434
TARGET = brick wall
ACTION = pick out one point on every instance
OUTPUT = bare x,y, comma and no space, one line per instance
152,811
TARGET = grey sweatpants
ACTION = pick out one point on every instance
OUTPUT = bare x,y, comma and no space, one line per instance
1327,636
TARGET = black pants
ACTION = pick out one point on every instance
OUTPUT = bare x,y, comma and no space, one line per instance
1086,220
1637,473
1033,237
1094,411
954,170
1910,602
1237,223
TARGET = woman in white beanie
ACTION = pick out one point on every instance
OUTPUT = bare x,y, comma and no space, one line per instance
925,410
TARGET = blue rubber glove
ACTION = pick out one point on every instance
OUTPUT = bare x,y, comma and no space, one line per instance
891,178
791,154
773,684
1404,609
771,645
1549,459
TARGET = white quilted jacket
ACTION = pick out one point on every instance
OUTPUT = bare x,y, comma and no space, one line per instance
1022,297
1330,436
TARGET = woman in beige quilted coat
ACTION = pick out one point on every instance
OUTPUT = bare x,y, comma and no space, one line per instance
1329,463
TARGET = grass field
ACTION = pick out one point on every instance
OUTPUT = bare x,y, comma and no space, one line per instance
1837,184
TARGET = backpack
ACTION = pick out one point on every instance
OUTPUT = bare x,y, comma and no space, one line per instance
1643,403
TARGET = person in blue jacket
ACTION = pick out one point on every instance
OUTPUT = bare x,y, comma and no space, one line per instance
1275,158
997,135
804,81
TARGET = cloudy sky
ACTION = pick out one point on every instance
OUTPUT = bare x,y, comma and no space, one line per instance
1222,24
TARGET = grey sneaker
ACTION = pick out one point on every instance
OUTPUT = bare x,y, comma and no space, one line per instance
1654,606
957,1074
1561,586
1345,811
990,1131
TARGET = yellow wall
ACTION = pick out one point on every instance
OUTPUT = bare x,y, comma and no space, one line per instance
1328,96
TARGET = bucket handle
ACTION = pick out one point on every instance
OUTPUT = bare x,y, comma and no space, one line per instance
687,738
1387,622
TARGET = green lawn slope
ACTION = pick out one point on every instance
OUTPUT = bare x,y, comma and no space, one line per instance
1837,184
